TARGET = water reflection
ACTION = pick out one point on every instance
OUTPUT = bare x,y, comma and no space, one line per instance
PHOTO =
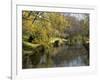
65,56
62,56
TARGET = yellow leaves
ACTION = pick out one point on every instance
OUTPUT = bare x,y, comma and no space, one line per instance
25,14
27,25
46,24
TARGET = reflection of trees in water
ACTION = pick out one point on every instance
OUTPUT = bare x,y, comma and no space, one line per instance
60,56
38,57
34,57
71,56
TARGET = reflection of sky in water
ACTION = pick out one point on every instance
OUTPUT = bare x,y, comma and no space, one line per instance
71,56
75,62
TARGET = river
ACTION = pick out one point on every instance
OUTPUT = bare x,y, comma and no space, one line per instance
65,56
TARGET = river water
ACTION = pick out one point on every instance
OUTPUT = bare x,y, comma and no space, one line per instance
62,56
65,56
